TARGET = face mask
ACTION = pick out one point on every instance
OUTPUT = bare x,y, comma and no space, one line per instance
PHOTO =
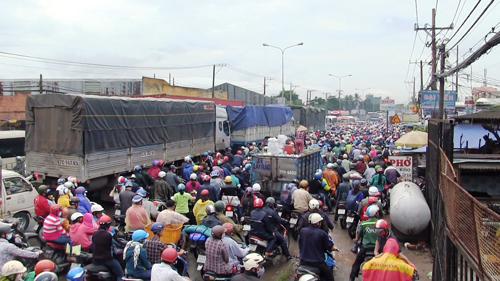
261,272
10,235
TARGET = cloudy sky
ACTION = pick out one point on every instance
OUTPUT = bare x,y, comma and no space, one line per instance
372,40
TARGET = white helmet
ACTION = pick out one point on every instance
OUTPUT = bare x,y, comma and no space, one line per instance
193,176
372,210
68,184
373,191
96,208
256,187
314,218
13,267
76,216
162,174
252,260
63,191
308,277
329,166
313,204
187,159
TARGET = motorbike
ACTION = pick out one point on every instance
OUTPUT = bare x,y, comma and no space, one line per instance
180,264
352,220
294,218
198,248
101,272
314,271
245,222
23,239
259,245
57,253
119,222
212,276
342,214
230,213
368,256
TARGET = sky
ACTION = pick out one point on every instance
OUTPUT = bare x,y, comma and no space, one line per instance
373,41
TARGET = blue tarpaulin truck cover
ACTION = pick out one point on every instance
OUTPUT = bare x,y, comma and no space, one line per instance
243,117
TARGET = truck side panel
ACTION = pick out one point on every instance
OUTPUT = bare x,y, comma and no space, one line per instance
178,150
146,154
55,165
106,163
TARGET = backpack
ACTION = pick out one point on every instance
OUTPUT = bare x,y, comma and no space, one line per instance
351,204
286,194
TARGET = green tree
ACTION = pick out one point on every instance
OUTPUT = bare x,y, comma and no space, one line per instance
295,98
357,100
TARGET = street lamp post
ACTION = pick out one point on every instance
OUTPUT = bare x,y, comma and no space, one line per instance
340,84
282,64
363,91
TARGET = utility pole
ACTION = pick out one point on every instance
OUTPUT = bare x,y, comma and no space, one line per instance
294,86
213,83
441,82
41,85
431,31
456,78
326,103
265,85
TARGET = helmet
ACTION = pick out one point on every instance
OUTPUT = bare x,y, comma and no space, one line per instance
248,166
363,151
235,170
372,210
55,209
295,181
13,267
381,225
214,173
361,158
376,167
252,260
238,152
256,187
218,231
344,156
169,255
141,192
200,168
193,176
172,167
250,147
204,192
219,162
96,208
64,190
220,206
129,184
329,166
258,203
206,178
371,164
315,218
218,155
205,154
139,235
137,168
74,200
41,189
161,162
105,219
307,277
355,183
4,228
136,199
373,191
44,265
363,182
304,183
318,175
121,180
80,190
228,179
76,216
157,226
372,199
225,158
181,186
210,209
72,179
380,170
187,158
49,276
345,176
229,227
61,181
270,201
162,174
313,204
76,274
155,163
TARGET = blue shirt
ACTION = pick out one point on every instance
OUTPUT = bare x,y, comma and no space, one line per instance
313,244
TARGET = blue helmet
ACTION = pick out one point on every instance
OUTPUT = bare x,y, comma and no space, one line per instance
181,186
214,173
248,166
318,176
205,154
76,274
137,168
157,226
61,181
137,199
139,235
141,192
129,183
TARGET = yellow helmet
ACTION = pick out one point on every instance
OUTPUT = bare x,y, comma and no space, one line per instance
304,183
195,168
228,179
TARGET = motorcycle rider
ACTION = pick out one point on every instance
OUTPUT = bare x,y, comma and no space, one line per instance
73,205
383,232
165,271
182,200
213,193
139,178
81,230
137,263
199,209
341,194
76,274
372,192
256,191
230,194
97,210
261,226
314,207
301,197
64,195
275,221
193,183
169,216
154,246
103,241
154,170
52,228
217,253
235,249
12,271
187,168
84,206
370,172
247,201
237,159
331,177
220,207
366,241
254,268
286,196
150,208
136,216
42,206
126,198
8,250
162,190
216,181
210,220
313,244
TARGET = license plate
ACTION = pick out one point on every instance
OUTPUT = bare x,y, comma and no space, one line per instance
252,247
229,214
201,259
341,212
118,212
246,227
293,221
349,219
73,265
279,214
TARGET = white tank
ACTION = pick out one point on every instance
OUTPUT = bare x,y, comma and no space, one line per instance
410,213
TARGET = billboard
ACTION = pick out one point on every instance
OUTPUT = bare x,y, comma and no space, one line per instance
430,102
404,165
387,105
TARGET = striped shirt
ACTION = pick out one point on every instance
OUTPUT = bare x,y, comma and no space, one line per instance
52,228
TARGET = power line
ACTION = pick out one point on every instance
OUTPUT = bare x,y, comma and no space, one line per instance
64,70
467,18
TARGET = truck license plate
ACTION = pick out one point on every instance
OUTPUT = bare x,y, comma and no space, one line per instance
279,214
350,219
253,247
341,212
293,221
201,259
229,214
246,227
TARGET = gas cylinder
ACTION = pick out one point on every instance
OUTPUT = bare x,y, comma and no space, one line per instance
410,213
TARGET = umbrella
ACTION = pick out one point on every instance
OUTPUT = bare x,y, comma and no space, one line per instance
301,128
413,139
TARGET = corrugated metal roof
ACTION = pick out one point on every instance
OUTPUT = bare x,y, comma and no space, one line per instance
493,114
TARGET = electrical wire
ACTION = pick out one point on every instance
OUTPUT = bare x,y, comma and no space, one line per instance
467,18
64,70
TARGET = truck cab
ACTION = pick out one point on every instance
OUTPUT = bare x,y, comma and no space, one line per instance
222,130
17,196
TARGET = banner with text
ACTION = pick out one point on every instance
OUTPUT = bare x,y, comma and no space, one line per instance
387,105
404,165
430,102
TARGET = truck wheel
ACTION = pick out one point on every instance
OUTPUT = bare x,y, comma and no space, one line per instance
24,220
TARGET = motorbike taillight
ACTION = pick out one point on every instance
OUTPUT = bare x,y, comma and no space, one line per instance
229,208
342,206
295,215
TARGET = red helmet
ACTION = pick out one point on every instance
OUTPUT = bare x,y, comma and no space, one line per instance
55,209
379,170
251,148
372,199
258,203
381,224
161,162
218,155
121,180
169,255
204,192
104,219
44,265
238,152
229,227
225,159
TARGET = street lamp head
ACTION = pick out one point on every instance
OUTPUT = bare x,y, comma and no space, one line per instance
265,45
300,44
